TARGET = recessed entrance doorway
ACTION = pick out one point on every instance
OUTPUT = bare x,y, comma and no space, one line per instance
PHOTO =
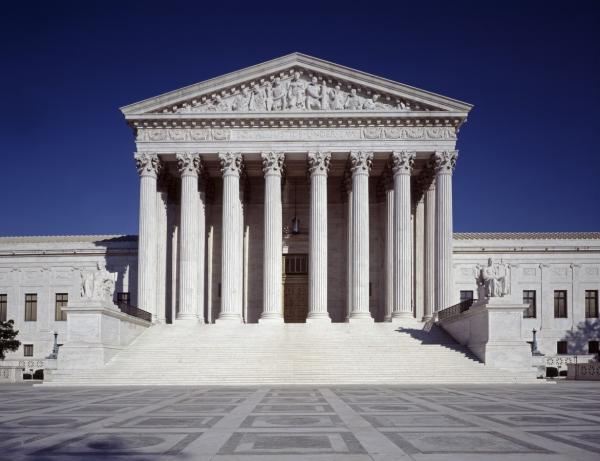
295,288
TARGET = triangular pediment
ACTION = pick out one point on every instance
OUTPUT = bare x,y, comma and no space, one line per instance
296,83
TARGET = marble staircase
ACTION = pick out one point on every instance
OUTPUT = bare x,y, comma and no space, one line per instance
306,354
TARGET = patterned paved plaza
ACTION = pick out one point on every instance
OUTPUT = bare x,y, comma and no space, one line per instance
535,422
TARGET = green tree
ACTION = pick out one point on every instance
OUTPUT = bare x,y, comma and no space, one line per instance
7,338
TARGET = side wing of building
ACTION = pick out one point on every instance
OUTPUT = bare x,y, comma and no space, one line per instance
557,274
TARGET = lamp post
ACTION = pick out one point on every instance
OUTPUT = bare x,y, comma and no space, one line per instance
534,348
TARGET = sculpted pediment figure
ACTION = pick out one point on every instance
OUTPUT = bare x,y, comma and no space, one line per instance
296,83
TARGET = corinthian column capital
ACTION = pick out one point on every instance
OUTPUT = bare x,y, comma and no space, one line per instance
231,163
360,162
318,163
444,161
189,164
272,162
147,163
402,162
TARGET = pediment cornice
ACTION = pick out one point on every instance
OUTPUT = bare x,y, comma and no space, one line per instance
292,88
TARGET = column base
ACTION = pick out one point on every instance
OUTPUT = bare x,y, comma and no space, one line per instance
426,318
185,317
228,319
402,315
318,317
360,317
271,318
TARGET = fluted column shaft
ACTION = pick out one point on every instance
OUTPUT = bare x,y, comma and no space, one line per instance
148,166
361,165
402,168
348,188
429,259
418,256
318,165
389,247
189,166
161,264
273,238
444,165
201,249
231,258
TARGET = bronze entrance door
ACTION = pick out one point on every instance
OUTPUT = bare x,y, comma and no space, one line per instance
295,288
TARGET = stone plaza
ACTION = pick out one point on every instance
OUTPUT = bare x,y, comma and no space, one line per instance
304,423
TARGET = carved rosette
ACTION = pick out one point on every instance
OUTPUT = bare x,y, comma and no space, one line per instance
444,161
318,163
189,164
231,163
360,162
147,164
272,163
402,162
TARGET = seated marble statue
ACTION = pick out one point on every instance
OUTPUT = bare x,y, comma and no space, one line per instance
494,280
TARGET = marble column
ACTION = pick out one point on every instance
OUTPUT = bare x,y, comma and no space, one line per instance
161,264
347,185
148,166
360,165
419,250
318,166
388,184
201,247
402,163
273,238
429,246
231,254
189,168
444,286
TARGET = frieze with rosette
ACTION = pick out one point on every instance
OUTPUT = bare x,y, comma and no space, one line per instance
294,134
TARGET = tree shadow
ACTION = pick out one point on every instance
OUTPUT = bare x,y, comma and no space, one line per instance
97,446
578,339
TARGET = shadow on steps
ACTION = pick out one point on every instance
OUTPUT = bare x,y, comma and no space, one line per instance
437,336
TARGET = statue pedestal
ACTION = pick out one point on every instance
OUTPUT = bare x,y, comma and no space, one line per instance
96,332
491,328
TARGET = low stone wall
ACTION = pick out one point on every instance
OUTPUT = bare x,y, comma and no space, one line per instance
11,374
584,371
96,332
491,328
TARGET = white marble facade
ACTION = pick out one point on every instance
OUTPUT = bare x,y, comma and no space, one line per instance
364,164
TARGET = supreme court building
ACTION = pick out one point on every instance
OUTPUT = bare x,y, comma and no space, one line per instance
295,190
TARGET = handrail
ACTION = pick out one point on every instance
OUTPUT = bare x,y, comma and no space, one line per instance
455,310
134,311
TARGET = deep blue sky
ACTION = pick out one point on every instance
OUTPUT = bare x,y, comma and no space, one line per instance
529,158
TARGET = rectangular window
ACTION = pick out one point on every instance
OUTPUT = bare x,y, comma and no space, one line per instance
27,350
561,347
123,297
466,295
295,264
30,307
560,304
593,347
3,307
529,299
61,300
591,304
